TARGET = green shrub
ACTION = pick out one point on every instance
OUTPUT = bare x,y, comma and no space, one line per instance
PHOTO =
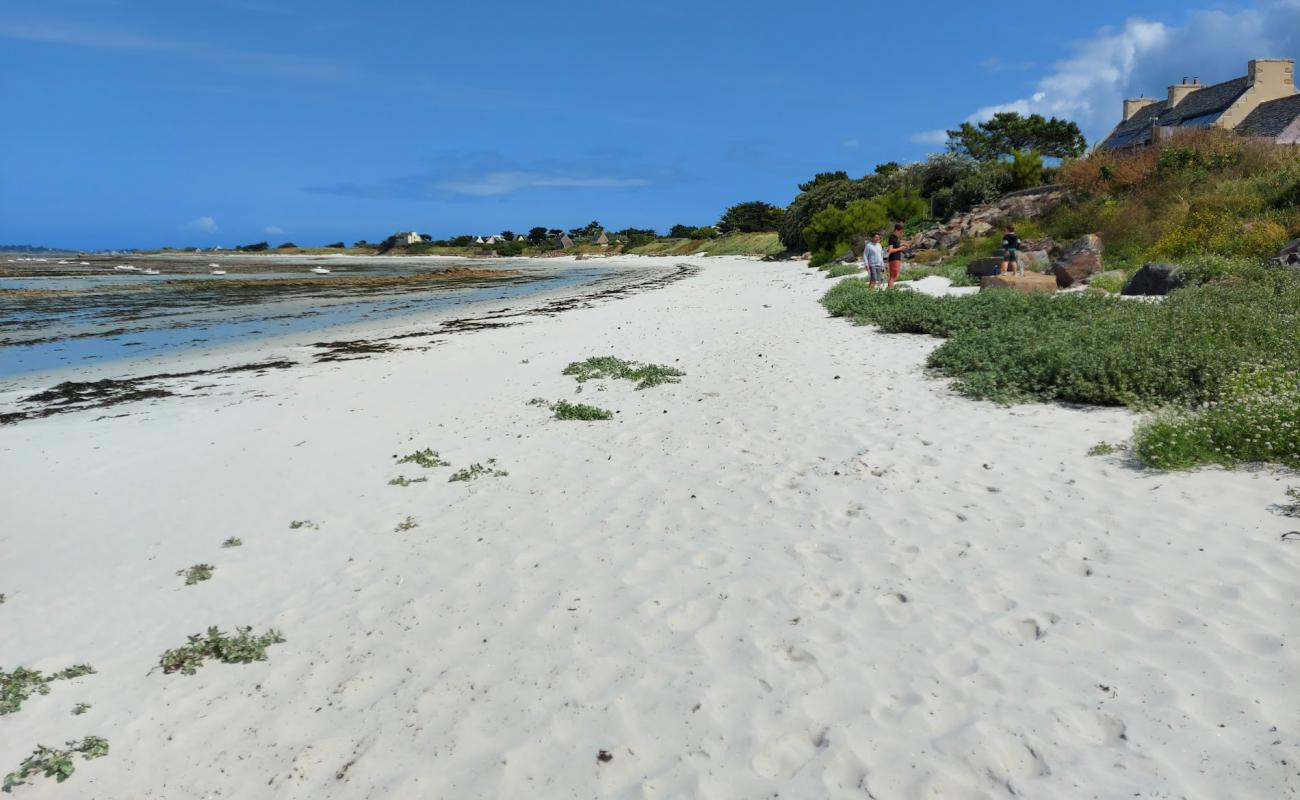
242,648
832,231
1257,420
56,764
578,411
1112,283
1225,356
233,541
840,270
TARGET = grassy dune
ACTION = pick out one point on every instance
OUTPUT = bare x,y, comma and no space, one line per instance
736,244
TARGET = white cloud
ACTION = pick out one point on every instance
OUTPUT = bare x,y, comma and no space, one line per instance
201,225
511,181
850,143
1144,57
272,230
930,137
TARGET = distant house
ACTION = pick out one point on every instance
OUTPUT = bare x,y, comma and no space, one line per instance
407,237
491,240
602,240
564,242
1261,104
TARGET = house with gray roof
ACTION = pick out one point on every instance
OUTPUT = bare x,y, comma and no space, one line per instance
1256,105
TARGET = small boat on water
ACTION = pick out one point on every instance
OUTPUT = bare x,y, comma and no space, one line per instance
218,271
126,268
320,270
150,272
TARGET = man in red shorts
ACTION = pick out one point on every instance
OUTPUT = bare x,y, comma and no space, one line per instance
895,254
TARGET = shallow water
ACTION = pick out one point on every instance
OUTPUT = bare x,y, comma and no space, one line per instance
42,333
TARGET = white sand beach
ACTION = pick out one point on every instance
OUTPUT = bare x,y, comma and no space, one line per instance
808,570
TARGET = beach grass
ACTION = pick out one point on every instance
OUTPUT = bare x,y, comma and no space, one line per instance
475,471
196,574
427,458
579,411
734,244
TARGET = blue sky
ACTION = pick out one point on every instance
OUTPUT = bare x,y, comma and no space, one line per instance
136,123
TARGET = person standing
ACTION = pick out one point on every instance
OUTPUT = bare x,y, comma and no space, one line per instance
895,253
873,255
1011,252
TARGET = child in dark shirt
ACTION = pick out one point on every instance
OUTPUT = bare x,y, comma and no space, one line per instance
1010,256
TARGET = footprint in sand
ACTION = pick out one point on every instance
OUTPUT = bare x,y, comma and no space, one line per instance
709,559
693,614
784,756
956,664
993,603
1092,727
815,596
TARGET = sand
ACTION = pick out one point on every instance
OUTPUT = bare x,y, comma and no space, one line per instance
808,570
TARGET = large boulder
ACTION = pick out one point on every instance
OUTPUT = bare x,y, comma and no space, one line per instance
1077,263
984,267
1036,260
1154,279
1030,282
979,228
1289,255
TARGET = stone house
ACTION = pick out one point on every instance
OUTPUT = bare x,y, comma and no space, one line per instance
406,237
1261,104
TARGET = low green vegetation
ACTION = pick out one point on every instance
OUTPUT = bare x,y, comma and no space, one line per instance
579,411
734,244
196,574
241,648
1221,359
1206,192
233,541
303,523
602,367
80,708
20,684
427,458
56,764
841,270
475,471
954,269
406,525
1105,449
402,480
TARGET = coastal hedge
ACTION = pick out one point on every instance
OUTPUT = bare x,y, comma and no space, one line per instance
1187,355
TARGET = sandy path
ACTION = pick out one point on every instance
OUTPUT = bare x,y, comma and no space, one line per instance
807,570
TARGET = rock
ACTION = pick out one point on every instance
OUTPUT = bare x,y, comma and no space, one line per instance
1046,244
1154,279
1030,282
1289,255
846,257
984,267
1078,262
978,229
1037,260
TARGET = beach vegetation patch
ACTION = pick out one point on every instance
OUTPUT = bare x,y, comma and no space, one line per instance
603,367
80,708
196,574
1104,449
241,648
56,764
303,523
402,480
405,525
579,411
841,270
475,471
20,684
1220,361
427,458
1292,508
233,541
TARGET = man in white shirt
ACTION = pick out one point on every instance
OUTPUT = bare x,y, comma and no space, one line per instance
873,255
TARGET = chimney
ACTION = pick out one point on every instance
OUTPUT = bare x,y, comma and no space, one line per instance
1180,90
1274,77
1135,104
